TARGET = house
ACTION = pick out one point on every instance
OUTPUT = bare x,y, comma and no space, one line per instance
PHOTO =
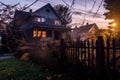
43,23
85,32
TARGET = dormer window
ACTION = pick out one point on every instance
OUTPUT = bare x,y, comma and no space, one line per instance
39,19
57,22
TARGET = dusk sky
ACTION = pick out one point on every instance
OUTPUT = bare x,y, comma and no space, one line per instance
86,8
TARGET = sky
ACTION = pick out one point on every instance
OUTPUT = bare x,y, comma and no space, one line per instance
83,11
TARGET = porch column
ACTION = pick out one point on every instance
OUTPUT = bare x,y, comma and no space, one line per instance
53,36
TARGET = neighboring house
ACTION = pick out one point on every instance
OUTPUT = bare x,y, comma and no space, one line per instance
43,23
85,32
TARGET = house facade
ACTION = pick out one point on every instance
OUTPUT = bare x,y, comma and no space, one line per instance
85,32
43,23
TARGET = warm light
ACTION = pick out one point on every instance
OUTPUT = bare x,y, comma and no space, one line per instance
39,33
57,22
114,24
34,33
43,34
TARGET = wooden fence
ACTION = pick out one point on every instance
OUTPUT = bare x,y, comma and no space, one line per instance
101,58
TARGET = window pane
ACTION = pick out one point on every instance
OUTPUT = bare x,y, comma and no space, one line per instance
43,34
57,22
42,19
38,19
39,33
34,33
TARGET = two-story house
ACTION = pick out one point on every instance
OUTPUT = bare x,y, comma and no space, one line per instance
85,32
43,23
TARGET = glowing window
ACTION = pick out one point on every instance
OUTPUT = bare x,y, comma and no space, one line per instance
43,34
57,22
39,33
34,33
38,19
42,19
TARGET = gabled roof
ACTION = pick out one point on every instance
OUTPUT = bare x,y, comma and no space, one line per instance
85,28
48,5
21,15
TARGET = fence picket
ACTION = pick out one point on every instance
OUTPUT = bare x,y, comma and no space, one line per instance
88,43
108,58
114,56
94,57
84,51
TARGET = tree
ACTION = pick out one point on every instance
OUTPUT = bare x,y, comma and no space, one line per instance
7,11
65,12
14,36
113,7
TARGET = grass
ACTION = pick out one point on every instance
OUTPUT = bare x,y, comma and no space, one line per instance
15,69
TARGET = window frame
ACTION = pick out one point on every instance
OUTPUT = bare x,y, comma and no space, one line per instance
57,22
39,19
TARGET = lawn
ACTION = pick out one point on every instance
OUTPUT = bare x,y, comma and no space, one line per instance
15,69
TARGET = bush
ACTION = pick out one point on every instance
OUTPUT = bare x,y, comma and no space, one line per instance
23,53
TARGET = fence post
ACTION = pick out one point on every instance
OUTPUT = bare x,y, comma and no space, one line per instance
62,55
100,59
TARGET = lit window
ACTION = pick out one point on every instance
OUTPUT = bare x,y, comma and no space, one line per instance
43,34
34,33
39,33
38,19
42,19
57,22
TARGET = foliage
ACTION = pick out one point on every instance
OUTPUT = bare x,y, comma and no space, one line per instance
15,37
65,12
15,69
7,11
113,9
105,33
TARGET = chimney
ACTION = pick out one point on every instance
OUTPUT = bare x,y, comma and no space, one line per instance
30,10
87,23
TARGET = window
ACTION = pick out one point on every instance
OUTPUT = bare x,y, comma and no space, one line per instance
38,33
42,19
43,34
39,19
34,33
57,22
